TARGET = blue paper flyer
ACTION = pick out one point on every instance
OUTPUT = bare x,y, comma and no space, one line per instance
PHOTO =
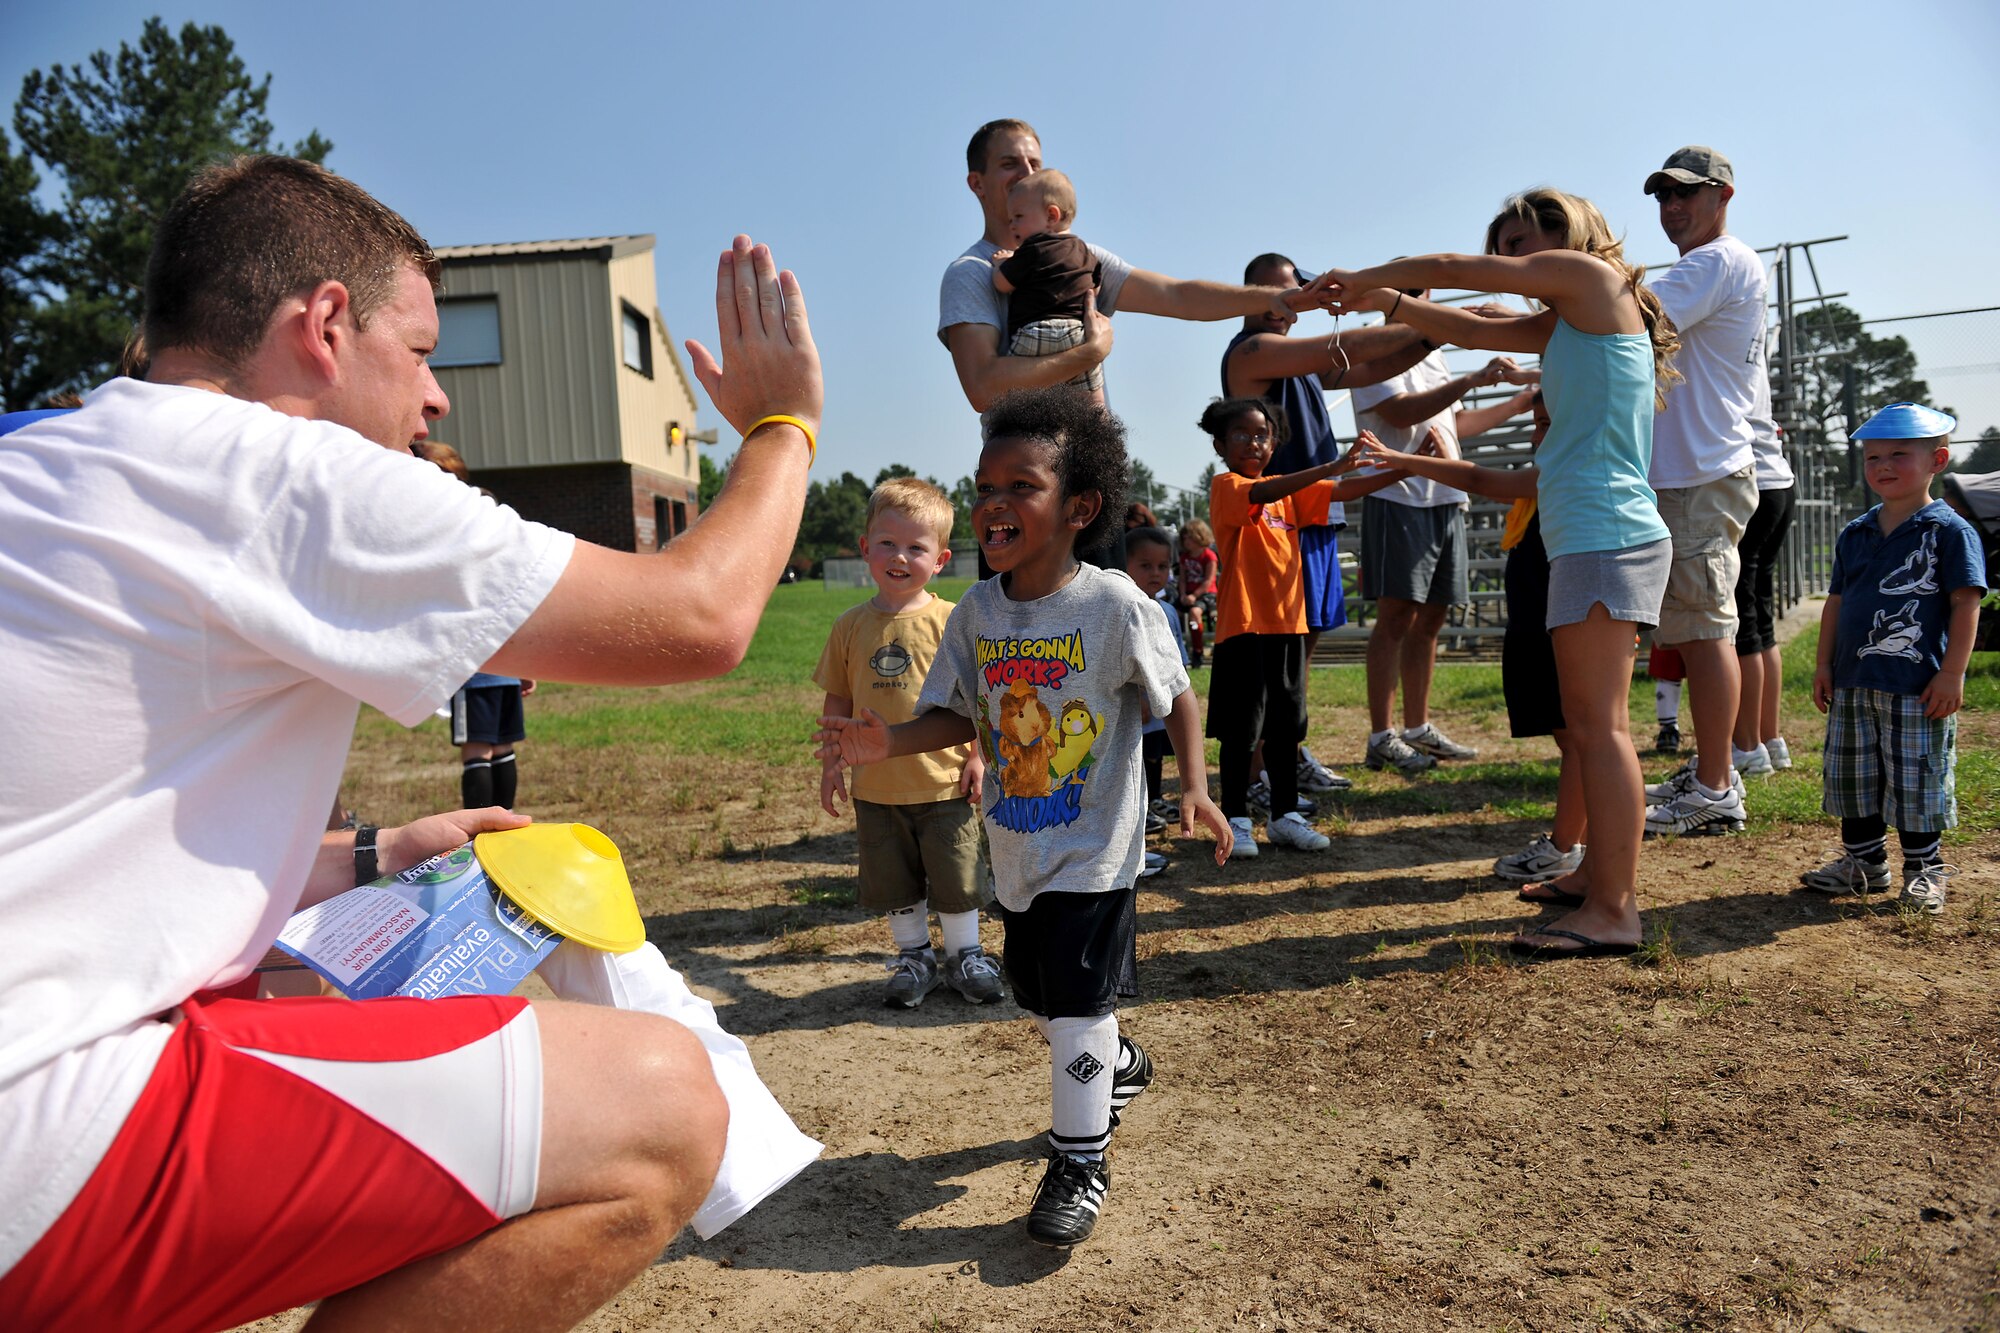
439,928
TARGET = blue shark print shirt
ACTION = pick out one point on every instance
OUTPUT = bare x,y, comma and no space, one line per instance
1895,596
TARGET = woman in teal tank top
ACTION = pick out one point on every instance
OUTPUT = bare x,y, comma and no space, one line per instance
1605,346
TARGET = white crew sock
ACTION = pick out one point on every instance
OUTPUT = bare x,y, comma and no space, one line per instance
1083,1057
960,931
1377,737
764,1148
911,926
1667,700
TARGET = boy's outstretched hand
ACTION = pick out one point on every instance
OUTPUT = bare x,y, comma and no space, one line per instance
1197,808
847,742
832,788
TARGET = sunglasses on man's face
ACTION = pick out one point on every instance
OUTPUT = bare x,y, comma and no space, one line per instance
1681,191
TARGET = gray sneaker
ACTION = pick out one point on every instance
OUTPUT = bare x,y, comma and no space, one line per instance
1396,753
1539,861
974,975
1259,800
1847,875
914,975
1317,777
1694,812
1925,889
1429,740
1681,781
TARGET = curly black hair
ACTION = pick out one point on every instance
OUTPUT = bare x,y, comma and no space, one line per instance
1215,419
1089,445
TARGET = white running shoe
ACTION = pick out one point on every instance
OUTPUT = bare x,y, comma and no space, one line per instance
1681,781
1293,831
1752,763
1779,752
1245,848
1540,860
1429,740
1695,812
1848,875
1395,752
1317,777
1925,889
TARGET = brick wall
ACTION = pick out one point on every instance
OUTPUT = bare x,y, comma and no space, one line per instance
612,504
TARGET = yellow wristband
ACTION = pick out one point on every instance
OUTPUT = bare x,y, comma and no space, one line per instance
812,438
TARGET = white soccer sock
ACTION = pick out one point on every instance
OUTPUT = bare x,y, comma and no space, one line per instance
960,931
764,1148
1083,1056
911,926
1667,700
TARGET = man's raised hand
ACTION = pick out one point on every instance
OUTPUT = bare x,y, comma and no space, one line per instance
768,364
1315,295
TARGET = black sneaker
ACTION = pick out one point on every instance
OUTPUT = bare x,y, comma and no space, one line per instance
1669,739
1154,823
1134,1076
1068,1201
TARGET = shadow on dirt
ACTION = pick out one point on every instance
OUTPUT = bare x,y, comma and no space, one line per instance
849,1213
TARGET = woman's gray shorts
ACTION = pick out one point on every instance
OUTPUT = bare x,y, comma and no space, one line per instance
1631,583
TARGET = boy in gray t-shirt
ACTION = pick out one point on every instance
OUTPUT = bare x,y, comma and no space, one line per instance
1051,666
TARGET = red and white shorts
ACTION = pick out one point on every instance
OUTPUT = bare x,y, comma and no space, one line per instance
285,1150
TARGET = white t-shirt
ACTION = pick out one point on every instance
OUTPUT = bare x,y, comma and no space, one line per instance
1427,374
194,591
1774,470
1715,296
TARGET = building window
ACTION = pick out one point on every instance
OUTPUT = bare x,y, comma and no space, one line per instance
468,332
663,528
638,341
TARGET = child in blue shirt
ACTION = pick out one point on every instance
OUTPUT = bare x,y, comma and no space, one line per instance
1894,640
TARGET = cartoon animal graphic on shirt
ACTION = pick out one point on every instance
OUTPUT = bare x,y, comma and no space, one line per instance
1918,573
1076,731
1025,741
1895,634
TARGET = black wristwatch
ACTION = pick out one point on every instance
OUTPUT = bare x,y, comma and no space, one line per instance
366,871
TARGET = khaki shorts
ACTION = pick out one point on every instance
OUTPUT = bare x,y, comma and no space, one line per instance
1706,522
909,853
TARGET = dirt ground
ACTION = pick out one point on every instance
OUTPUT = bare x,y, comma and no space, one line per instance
1366,1116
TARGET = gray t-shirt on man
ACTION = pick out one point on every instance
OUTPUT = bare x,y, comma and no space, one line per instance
967,295
1055,688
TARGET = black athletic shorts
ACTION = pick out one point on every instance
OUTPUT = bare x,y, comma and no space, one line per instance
1072,955
1257,690
489,715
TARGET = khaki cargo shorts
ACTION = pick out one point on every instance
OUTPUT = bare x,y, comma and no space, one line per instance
1706,522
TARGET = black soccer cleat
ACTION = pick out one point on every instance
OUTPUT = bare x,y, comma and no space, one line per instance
1068,1201
1134,1076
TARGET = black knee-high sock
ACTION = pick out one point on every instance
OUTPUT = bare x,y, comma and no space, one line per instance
1920,849
1866,839
506,778
475,784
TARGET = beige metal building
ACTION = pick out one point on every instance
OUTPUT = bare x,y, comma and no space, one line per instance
568,400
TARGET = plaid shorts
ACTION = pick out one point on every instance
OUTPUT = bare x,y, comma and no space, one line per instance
1046,337
1884,757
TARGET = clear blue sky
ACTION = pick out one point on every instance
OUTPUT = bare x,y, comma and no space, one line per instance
1198,135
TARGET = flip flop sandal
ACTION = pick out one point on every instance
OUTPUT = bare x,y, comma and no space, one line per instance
1587,947
1555,898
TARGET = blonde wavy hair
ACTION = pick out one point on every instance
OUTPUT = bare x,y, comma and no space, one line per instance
1578,225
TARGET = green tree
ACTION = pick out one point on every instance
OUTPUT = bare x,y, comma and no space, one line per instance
963,496
835,512
712,477
122,132
1985,455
